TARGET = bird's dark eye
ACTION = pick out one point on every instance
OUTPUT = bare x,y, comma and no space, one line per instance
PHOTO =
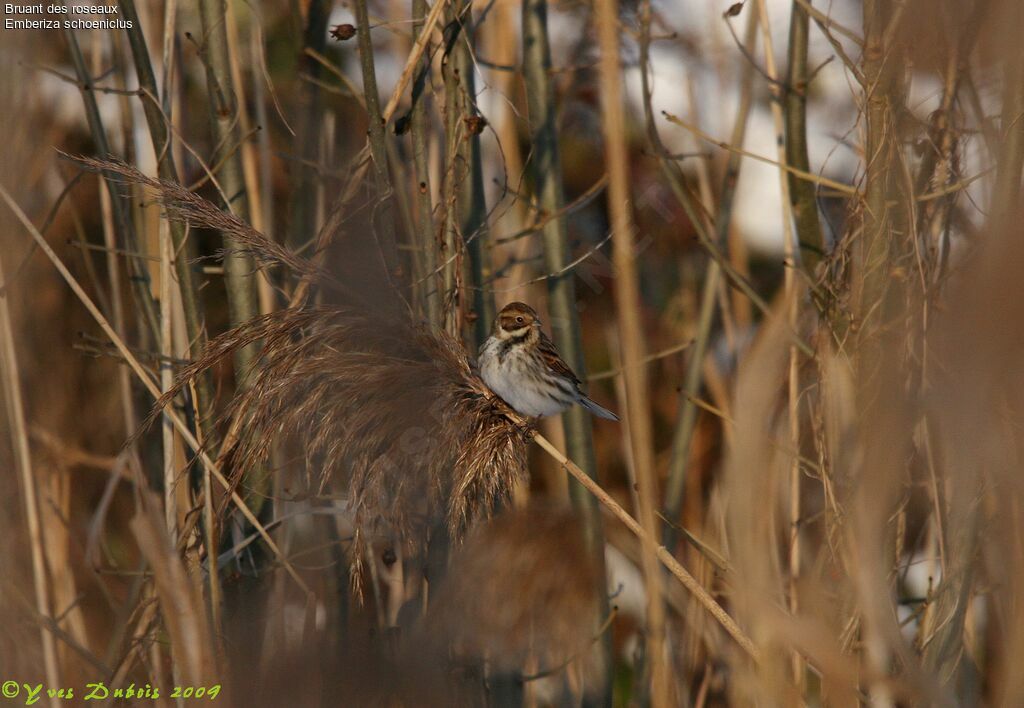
520,320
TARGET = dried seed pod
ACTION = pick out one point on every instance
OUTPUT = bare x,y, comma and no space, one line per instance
343,32
475,124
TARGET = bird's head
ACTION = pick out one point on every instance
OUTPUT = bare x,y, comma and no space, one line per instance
515,320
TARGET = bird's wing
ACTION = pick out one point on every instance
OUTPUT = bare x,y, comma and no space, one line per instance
554,361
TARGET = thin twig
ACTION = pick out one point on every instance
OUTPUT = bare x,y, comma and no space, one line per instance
808,176
609,373
667,559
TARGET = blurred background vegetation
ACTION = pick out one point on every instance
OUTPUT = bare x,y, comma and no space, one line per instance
782,240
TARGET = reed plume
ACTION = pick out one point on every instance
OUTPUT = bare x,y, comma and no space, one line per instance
393,409
390,407
185,206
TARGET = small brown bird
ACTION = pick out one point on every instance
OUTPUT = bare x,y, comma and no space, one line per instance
519,363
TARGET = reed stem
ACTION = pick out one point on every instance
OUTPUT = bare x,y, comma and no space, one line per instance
664,556
802,197
686,422
157,121
545,171
628,310
303,197
225,116
23,460
127,238
426,236
383,220
472,202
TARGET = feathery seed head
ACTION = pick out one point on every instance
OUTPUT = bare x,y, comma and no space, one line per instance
393,411
390,409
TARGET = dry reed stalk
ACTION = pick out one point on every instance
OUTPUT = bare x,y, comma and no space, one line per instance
876,299
166,379
974,455
792,253
501,43
666,558
116,302
545,169
628,310
226,110
160,135
382,215
614,351
55,493
127,237
211,538
686,420
361,162
1006,193
144,617
883,72
250,160
940,166
755,476
693,647
977,418
23,459
451,244
419,128
265,157
156,661
170,25
147,381
802,197
180,600
116,223
412,63
471,199
302,201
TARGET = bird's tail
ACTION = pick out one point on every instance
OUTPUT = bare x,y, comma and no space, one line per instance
596,409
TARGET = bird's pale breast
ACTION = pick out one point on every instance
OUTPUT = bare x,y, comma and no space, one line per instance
515,378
